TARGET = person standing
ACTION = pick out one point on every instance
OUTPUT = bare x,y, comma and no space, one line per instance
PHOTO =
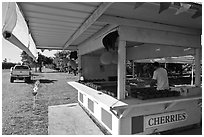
160,77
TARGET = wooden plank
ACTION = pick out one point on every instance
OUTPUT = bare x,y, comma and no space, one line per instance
96,14
159,37
146,24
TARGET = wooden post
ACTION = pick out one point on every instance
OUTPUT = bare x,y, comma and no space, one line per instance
121,69
197,67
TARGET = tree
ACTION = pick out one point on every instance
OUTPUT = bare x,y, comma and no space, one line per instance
26,59
61,60
62,54
42,60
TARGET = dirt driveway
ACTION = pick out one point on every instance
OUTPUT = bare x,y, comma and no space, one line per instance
19,117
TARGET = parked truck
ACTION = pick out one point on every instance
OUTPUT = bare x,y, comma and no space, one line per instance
20,72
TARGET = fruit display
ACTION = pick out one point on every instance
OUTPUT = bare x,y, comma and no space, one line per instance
108,88
153,93
136,90
91,80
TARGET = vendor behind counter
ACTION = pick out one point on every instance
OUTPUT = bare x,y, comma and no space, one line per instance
160,77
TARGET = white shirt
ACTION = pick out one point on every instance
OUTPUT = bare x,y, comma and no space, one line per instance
160,75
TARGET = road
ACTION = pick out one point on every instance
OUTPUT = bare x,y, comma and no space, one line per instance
19,115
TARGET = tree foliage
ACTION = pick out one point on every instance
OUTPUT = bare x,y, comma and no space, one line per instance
42,60
62,54
26,59
61,60
7,65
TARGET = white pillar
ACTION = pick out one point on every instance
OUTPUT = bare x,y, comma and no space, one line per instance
197,67
121,70
192,75
79,65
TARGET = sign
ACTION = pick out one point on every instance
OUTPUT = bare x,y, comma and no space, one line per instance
164,118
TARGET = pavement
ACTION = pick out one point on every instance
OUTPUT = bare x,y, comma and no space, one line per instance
70,119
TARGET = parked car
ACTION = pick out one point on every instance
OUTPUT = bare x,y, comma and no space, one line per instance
20,72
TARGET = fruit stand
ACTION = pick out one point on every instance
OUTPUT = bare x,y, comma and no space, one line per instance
106,35
129,106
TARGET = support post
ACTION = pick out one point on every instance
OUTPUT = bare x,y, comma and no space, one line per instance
197,67
192,74
79,66
121,70
133,68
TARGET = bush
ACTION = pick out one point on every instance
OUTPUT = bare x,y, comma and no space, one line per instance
7,65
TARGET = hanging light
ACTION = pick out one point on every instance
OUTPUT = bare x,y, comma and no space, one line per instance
109,41
106,58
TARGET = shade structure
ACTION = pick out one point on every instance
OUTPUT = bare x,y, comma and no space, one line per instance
16,31
143,33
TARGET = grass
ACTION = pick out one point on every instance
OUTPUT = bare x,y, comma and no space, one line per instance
19,117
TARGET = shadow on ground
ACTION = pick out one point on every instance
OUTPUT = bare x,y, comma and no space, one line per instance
53,72
42,81
35,75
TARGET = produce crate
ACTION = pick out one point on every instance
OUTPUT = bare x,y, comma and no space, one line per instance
157,94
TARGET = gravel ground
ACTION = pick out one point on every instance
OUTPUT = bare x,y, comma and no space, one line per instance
19,115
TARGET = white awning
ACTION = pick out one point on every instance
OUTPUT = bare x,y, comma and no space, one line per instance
15,29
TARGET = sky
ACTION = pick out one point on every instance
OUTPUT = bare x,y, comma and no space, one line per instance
12,53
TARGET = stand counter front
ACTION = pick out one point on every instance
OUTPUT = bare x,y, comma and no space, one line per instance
135,116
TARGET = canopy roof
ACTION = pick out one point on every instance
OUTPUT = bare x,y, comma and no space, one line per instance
65,25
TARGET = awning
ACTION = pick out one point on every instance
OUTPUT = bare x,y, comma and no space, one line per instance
15,29
69,25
